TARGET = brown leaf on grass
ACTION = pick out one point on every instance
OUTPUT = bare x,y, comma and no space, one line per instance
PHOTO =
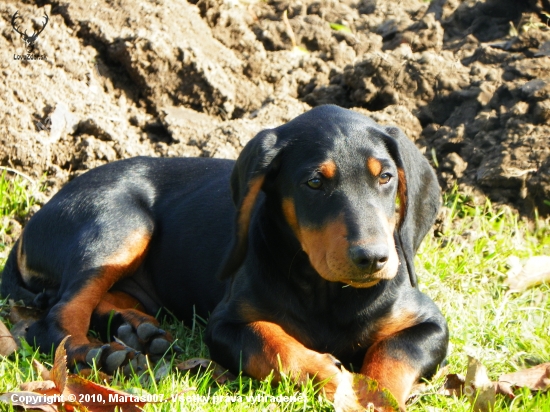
358,392
7,342
536,378
535,271
453,386
370,395
345,397
21,318
219,373
20,313
28,400
99,398
19,330
41,370
76,391
478,387
59,371
43,387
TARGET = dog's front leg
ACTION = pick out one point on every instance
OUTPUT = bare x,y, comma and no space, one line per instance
258,348
397,362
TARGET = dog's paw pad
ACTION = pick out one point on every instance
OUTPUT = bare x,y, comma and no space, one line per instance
146,331
116,359
94,355
126,334
159,346
142,361
133,367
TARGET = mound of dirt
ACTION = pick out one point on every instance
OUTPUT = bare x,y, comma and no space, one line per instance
468,80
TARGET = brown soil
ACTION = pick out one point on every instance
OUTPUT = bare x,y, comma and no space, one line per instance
468,80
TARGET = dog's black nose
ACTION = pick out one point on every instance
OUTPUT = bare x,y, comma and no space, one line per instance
370,258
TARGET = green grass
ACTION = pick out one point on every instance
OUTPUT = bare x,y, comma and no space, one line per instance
462,269
16,200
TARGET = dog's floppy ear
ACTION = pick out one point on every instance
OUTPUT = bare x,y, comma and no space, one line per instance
247,179
419,195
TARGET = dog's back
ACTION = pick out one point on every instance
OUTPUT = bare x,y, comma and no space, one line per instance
184,201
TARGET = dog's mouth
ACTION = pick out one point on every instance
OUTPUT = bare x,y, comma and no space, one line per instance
362,283
367,280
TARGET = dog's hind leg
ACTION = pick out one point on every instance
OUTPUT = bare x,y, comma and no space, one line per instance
94,270
122,318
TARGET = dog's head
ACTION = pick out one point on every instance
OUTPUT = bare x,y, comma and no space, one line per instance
349,189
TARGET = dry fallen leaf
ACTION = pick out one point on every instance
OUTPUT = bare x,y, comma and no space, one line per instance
41,370
20,313
536,378
219,373
19,330
25,400
369,393
535,271
7,342
65,391
358,392
99,398
478,387
59,371
454,385
21,318
43,387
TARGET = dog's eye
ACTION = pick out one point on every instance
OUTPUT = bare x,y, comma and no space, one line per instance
384,178
315,183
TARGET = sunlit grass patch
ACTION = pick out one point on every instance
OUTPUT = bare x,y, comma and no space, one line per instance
16,199
463,271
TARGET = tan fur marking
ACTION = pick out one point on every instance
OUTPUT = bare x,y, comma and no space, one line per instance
119,300
374,166
281,349
395,375
26,273
327,249
127,306
402,194
394,323
247,205
328,169
289,211
75,314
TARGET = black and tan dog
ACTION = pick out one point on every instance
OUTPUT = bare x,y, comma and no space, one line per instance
311,233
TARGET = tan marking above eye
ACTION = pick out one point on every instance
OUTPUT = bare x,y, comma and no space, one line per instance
328,169
374,166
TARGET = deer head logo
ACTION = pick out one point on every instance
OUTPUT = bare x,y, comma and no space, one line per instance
29,40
